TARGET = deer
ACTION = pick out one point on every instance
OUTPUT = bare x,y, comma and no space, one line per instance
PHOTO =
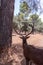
35,54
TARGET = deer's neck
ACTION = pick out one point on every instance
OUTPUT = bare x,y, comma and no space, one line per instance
24,44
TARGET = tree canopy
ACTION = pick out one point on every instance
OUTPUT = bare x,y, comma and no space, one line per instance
34,5
28,15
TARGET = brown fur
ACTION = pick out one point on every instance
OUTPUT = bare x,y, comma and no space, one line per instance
32,53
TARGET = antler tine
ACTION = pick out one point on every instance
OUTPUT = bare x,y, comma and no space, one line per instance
19,33
30,31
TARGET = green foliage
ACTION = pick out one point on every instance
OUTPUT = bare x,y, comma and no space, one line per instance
34,17
34,5
24,27
15,25
21,21
20,16
24,9
38,25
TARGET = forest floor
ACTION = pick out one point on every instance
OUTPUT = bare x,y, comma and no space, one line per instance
16,52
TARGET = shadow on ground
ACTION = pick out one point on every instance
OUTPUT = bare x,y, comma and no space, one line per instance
14,56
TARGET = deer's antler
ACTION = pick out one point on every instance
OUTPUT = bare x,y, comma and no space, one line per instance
24,34
30,31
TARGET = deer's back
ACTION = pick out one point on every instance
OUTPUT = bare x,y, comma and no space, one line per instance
34,54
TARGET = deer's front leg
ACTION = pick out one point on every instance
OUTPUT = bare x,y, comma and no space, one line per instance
30,63
27,62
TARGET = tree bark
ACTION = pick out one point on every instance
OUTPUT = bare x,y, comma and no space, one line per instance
6,18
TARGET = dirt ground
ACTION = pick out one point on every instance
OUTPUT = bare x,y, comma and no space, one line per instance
36,40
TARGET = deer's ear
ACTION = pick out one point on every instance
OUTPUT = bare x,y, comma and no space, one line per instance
27,37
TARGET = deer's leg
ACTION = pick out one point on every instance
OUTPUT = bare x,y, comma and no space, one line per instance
27,62
30,62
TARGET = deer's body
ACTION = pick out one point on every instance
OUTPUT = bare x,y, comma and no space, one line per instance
32,53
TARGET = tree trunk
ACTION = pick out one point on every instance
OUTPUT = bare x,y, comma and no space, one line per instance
6,18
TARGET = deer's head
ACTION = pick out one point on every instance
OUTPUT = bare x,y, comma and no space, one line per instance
24,36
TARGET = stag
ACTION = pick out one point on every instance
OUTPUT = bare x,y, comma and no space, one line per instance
31,52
